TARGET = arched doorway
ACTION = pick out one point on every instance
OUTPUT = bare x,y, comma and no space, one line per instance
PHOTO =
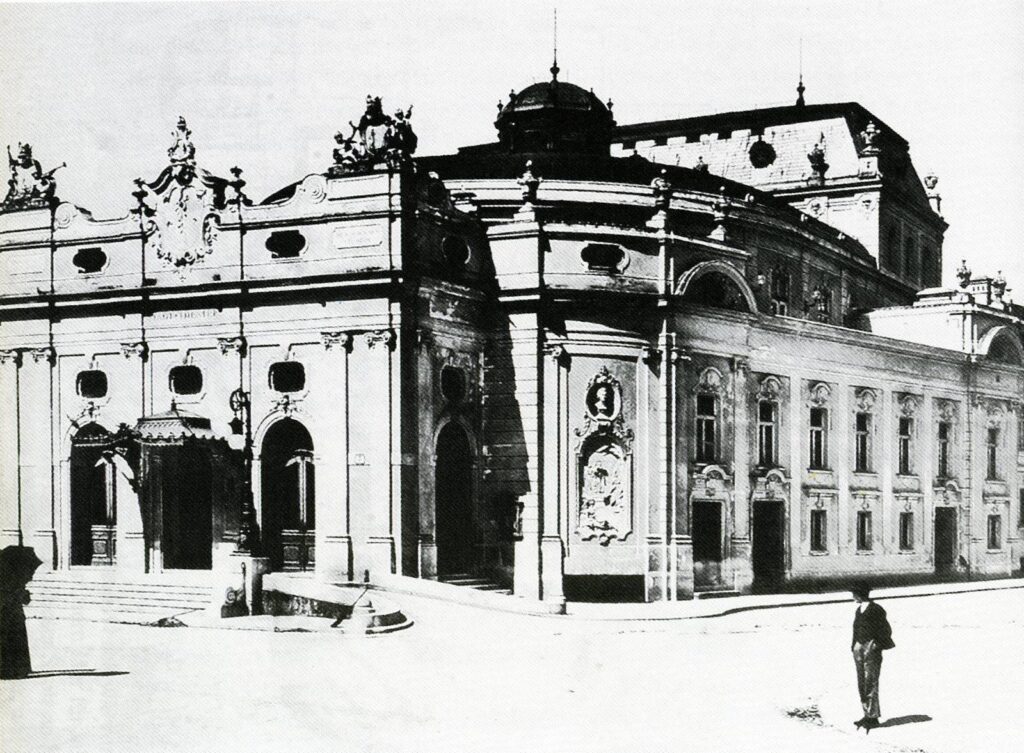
453,497
92,500
289,496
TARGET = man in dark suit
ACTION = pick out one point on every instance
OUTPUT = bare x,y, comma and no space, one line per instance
871,635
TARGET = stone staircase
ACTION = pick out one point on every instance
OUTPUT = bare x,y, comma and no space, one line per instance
100,595
467,580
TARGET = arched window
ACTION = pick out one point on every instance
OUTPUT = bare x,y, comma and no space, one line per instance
718,285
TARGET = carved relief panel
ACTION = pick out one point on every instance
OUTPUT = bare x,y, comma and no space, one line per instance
604,509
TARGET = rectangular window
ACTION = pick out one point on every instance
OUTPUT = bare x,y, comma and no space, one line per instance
1020,514
819,531
906,531
819,439
995,532
992,453
707,429
864,531
906,432
780,291
1020,435
767,454
945,435
862,443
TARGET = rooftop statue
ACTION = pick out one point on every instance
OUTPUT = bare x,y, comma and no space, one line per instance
377,139
29,187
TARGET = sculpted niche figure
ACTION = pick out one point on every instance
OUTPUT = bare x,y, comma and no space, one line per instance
28,187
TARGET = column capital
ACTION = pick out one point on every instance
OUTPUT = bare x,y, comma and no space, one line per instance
47,354
650,354
343,340
557,353
385,337
236,344
138,349
678,355
10,356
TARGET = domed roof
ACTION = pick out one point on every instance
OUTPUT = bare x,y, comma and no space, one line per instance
555,116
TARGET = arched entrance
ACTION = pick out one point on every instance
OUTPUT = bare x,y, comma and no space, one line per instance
453,496
288,496
92,500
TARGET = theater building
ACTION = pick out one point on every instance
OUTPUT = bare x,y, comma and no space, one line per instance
587,360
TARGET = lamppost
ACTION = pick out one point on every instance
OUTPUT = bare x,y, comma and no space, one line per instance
240,402
241,424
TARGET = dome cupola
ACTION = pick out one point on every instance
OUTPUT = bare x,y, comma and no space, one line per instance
555,116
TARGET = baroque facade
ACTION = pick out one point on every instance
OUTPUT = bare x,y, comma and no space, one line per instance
637,362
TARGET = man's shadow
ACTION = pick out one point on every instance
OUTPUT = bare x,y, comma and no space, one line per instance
73,673
896,721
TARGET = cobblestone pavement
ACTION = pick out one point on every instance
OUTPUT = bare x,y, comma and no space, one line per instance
468,679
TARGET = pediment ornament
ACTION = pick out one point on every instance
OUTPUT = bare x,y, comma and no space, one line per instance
820,394
769,389
186,216
866,399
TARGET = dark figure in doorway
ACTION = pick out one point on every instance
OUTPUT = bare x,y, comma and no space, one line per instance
871,636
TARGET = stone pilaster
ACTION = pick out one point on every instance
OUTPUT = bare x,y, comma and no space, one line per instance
741,553
333,539
556,458
36,401
680,560
10,449
380,555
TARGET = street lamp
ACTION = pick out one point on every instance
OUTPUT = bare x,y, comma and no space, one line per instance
241,424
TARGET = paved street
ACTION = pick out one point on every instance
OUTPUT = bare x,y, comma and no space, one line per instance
466,679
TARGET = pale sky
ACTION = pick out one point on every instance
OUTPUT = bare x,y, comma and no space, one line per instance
266,85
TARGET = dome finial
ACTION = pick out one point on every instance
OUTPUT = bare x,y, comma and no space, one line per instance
554,65
800,88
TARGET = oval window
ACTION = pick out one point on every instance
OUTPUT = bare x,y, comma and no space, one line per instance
286,244
89,260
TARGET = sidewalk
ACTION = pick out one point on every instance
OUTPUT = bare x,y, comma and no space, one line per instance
669,610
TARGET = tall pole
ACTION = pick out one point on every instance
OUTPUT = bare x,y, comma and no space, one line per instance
241,403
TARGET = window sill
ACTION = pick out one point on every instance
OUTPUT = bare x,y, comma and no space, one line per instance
818,554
